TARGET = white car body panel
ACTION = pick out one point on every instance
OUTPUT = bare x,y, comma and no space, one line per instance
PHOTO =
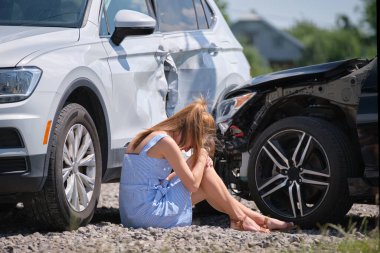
129,80
19,42
139,86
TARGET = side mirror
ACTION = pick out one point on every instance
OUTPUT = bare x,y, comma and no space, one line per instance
128,22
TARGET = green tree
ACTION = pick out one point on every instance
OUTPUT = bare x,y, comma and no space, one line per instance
369,20
324,45
369,16
345,40
258,64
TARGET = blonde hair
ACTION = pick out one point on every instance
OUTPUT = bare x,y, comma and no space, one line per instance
193,122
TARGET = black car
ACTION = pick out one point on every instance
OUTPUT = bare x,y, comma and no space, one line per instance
303,143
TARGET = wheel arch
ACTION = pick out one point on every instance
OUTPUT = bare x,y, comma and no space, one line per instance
82,91
343,117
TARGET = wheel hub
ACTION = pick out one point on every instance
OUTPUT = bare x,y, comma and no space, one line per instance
75,167
294,174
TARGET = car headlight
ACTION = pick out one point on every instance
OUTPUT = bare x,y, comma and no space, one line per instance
17,84
227,108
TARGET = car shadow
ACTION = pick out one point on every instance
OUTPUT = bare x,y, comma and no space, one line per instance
16,221
104,214
351,223
112,215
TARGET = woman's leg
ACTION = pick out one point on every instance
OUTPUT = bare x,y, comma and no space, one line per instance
215,192
263,220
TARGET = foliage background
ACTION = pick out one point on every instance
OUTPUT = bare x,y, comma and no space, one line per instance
343,41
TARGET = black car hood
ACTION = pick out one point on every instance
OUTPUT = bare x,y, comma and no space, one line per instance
315,73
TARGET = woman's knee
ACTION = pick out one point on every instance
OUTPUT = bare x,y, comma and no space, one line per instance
210,171
198,196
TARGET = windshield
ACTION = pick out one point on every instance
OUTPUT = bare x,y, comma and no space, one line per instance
58,13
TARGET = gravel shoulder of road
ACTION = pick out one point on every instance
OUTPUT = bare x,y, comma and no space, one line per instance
209,233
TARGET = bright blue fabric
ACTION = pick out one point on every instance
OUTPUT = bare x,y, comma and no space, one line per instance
146,199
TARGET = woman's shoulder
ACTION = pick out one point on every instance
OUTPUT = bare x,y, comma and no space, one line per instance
160,133
164,138
161,144
159,139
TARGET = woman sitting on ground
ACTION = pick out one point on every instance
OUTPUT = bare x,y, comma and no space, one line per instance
158,187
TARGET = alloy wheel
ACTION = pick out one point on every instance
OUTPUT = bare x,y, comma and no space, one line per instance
79,167
292,173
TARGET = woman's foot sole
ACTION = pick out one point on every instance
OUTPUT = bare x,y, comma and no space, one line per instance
246,224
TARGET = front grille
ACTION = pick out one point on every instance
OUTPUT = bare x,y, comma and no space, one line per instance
13,164
10,138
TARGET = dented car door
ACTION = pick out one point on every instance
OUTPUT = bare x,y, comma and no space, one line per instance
188,48
139,84
206,56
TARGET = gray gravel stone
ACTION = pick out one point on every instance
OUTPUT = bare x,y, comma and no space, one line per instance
207,234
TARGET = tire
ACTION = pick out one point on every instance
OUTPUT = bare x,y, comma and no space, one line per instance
302,162
71,191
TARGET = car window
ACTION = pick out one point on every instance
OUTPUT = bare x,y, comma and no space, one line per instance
55,13
208,12
176,15
201,17
111,7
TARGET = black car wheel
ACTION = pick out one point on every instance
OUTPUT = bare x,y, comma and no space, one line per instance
298,171
71,191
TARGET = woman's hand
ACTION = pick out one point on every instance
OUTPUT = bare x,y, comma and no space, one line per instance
209,162
204,152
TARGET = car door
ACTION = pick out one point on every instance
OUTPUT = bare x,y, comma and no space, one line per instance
139,86
203,49
187,46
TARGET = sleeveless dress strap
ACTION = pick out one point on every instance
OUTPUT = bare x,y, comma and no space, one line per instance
152,142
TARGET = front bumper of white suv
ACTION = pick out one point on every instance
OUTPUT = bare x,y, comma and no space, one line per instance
24,130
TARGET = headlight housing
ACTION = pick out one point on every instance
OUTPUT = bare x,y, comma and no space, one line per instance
227,108
17,84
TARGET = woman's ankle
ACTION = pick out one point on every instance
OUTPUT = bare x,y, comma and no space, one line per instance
237,217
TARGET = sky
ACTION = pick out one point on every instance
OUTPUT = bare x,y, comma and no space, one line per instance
284,13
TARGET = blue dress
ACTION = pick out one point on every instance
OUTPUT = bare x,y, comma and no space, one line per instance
146,199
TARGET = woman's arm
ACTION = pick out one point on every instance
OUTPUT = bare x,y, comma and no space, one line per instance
190,177
171,176
189,161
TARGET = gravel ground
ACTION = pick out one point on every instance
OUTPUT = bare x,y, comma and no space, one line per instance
207,234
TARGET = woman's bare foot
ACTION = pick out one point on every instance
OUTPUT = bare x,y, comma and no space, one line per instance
247,224
275,224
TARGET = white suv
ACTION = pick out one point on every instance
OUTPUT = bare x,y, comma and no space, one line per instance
79,78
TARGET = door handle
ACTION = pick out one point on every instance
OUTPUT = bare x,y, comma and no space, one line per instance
213,49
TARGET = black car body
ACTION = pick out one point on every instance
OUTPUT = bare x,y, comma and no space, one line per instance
303,143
